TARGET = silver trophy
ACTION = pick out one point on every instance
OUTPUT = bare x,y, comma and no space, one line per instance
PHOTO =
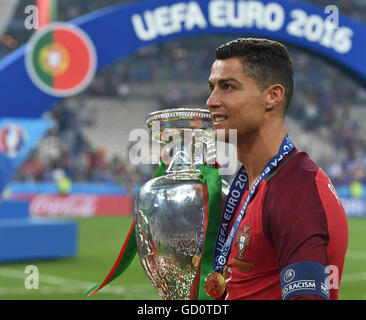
169,210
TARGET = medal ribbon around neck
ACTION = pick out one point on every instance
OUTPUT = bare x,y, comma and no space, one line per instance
237,190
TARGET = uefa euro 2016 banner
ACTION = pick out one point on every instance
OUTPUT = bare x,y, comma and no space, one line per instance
61,60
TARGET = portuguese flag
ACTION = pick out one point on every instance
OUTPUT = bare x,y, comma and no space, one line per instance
47,12
61,59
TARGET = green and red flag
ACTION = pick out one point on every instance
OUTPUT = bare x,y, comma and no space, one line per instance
47,12
61,59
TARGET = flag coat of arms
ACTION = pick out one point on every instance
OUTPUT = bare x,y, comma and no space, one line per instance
61,59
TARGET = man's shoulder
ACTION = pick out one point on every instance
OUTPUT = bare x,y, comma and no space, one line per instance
296,172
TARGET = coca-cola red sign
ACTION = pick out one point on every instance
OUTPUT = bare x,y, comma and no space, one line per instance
79,205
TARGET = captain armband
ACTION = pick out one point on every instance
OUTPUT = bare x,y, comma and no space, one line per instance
304,278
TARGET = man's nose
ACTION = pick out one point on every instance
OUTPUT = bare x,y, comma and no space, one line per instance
213,101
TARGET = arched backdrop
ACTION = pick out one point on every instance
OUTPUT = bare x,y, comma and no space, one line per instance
118,31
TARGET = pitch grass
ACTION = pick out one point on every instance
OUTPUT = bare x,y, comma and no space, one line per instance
100,242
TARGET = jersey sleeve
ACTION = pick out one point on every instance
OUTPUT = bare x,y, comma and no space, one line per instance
294,221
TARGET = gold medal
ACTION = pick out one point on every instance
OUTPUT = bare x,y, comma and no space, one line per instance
215,285
196,260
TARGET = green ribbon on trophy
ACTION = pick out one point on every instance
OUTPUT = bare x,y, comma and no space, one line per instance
210,176
213,180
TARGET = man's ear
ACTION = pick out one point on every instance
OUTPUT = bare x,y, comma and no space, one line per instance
275,96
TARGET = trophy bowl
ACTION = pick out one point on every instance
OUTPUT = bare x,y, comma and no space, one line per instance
170,211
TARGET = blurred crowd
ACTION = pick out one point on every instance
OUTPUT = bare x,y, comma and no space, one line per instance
65,148
323,98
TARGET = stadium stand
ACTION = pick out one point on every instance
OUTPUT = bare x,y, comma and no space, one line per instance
112,128
91,139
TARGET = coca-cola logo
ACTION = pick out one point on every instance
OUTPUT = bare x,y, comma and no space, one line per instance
72,205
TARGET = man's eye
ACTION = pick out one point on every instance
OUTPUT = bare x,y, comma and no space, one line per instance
227,86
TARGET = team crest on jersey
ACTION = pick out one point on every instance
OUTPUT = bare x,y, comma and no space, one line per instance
11,139
242,242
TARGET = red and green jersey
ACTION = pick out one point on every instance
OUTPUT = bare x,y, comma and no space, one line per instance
294,216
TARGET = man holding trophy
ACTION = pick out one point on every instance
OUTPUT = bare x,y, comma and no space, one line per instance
280,230
287,234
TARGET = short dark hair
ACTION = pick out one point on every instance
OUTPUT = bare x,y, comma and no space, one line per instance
266,61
